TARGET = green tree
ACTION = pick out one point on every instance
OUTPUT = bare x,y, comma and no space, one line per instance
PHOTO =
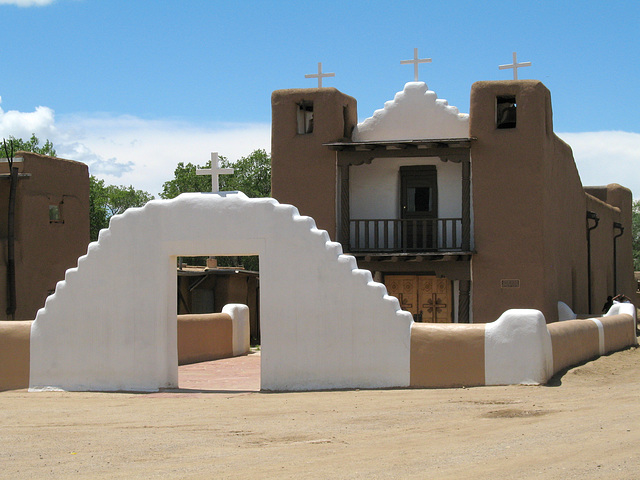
635,232
185,180
32,145
105,201
252,176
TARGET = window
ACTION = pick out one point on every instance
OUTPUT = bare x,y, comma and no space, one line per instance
506,111
419,191
305,117
55,213
419,199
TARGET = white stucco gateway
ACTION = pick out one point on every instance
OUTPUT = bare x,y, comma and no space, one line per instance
111,324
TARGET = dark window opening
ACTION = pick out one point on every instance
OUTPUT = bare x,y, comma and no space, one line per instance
305,117
419,199
55,213
345,119
506,111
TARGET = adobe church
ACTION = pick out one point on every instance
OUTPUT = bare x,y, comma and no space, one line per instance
462,217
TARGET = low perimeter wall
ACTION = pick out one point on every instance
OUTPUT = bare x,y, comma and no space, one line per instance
519,347
200,338
14,354
212,336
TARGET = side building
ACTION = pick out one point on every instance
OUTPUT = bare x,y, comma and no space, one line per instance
461,216
51,229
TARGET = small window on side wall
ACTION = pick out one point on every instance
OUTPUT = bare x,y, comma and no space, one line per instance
506,111
305,117
55,213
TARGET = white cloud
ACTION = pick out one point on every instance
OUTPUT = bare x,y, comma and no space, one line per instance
23,124
607,157
127,150
27,3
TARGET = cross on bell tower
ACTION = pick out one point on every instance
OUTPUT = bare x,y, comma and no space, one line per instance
215,171
320,75
515,65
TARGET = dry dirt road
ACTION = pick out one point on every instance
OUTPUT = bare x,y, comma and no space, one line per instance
586,425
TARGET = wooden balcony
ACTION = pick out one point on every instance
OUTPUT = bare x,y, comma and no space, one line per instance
407,235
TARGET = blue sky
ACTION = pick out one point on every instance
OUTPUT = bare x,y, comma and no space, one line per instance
134,87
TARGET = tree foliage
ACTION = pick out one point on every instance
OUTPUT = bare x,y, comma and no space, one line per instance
105,201
635,232
31,145
252,176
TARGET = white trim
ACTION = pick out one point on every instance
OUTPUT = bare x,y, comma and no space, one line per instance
600,335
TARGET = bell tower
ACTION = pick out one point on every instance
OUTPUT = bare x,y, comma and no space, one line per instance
303,169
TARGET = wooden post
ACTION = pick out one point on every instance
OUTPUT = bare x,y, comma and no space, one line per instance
466,204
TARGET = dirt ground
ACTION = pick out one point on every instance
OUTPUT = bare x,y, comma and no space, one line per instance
584,425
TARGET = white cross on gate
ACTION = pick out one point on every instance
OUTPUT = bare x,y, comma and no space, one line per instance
415,62
515,65
320,75
215,171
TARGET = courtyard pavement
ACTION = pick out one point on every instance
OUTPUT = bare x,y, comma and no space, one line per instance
228,375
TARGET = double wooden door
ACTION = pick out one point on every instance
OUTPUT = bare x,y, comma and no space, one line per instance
427,297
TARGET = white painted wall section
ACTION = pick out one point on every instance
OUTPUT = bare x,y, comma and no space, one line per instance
111,324
518,349
241,328
415,113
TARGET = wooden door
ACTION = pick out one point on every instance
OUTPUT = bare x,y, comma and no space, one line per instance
428,298
434,297
419,206
405,289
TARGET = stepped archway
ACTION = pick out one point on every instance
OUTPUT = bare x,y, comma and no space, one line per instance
111,324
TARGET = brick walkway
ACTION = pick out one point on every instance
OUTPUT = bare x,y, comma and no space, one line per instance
228,375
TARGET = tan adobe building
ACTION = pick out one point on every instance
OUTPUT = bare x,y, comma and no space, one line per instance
51,228
461,216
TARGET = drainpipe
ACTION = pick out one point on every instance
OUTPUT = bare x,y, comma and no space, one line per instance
11,264
590,216
616,226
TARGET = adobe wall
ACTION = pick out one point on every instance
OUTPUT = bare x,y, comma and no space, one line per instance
564,230
602,251
576,341
620,200
303,170
517,348
14,354
212,336
447,355
508,193
44,250
573,341
530,212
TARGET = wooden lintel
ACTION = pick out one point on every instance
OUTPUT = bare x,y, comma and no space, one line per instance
365,148
20,175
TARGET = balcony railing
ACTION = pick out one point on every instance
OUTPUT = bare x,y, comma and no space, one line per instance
405,235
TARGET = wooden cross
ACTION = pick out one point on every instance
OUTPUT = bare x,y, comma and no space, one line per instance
515,65
215,171
415,62
320,75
